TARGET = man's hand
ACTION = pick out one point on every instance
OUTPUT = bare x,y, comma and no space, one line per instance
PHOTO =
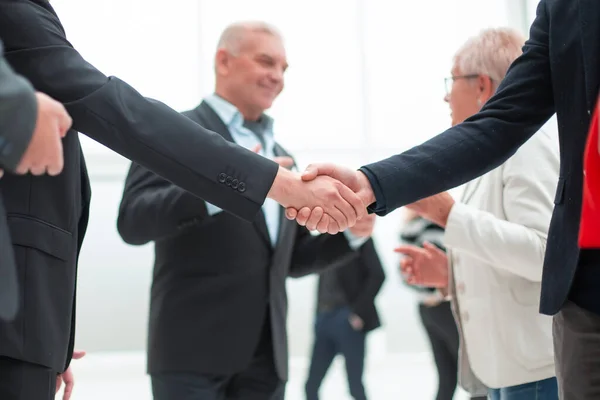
331,200
435,208
45,153
356,322
355,180
427,266
67,377
364,226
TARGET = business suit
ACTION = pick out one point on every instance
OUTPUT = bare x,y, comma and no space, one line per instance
47,216
18,114
558,72
358,283
203,260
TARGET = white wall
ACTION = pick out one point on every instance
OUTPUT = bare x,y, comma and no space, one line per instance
365,82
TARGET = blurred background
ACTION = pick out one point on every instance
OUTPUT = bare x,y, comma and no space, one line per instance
371,75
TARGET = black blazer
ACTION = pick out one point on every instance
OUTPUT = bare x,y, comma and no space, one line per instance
18,116
559,71
214,275
47,216
361,279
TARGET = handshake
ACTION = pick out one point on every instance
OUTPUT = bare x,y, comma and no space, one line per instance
326,197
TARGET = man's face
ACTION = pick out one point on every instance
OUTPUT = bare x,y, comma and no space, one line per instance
255,76
462,97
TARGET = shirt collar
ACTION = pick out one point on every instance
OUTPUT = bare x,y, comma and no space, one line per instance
230,115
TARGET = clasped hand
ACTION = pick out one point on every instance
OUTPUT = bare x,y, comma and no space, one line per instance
326,197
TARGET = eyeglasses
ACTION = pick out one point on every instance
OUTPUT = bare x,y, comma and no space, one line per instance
450,80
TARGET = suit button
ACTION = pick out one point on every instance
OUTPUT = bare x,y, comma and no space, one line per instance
234,184
228,181
242,187
222,177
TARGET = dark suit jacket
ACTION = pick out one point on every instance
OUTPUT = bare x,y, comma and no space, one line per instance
18,115
361,279
559,71
214,275
47,216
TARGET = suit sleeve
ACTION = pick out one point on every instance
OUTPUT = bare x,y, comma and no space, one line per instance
375,276
521,105
18,114
153,208
315,253
144,130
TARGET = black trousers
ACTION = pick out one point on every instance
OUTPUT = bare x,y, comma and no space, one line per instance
576,334
334,335
20,380
441,329
257,382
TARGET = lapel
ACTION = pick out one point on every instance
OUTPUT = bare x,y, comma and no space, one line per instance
470,189
286,227
589,25
210,120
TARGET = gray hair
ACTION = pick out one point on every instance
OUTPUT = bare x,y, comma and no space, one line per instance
232,37
490,53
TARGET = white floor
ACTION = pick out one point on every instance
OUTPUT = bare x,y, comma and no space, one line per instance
120,376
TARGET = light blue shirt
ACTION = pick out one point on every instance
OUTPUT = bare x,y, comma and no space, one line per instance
234,121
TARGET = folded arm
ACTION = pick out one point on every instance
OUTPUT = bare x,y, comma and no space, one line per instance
316,253
375,276
18,114
153,208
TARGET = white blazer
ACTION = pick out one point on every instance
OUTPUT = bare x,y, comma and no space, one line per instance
497,239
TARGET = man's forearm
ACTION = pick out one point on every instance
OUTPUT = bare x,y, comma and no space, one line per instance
18,115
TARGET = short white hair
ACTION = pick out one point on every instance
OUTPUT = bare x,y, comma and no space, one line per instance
490,53
232,37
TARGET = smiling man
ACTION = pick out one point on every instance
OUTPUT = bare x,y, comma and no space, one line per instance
219,304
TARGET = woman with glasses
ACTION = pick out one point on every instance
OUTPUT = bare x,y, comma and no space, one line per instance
495,237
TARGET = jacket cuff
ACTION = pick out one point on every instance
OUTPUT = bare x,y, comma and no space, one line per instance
455,233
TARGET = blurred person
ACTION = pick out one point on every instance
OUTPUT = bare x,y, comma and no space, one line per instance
218,309
557,73
496,235
346,313
48,215
435,309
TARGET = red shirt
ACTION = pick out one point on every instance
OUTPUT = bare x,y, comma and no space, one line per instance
589,230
